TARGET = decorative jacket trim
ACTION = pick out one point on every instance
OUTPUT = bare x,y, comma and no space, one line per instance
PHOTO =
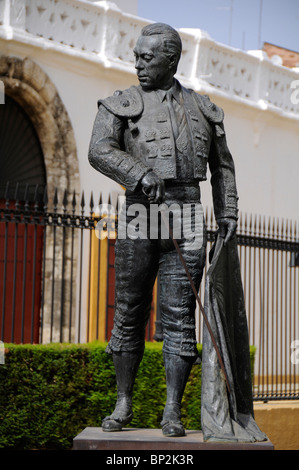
129,103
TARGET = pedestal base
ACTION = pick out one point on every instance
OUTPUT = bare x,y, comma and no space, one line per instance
153,439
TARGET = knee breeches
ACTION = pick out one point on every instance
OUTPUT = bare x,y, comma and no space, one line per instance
137,263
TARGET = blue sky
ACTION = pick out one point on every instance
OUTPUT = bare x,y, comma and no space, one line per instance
244,24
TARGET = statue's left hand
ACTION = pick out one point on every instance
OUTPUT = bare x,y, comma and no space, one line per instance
227,228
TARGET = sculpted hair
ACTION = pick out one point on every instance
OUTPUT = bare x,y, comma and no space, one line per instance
171,39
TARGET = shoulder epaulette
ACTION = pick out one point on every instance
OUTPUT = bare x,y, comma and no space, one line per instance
211,111
127,103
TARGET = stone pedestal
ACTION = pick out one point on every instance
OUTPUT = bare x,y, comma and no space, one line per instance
152,439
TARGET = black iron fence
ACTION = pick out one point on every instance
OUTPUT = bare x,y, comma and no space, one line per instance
57,280
41,249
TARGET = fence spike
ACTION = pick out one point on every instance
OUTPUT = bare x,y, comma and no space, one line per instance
36,197
65,200
277,227
26,192
17,191
269,228
109,205
255,225
7,196
291,231
17,196
74,201
55,200
282,228
99,205
82,203
241,222
273,227
245,224
45,198
26,197
265,227
259,227
91,203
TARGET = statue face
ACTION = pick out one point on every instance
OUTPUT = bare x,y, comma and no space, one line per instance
154,68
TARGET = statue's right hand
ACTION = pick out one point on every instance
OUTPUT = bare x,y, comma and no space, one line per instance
153,186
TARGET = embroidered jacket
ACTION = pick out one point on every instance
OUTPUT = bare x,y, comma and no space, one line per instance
132,134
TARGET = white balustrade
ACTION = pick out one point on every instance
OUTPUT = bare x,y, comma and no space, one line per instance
68,22
100,31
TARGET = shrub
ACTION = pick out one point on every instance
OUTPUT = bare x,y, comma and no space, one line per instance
50,393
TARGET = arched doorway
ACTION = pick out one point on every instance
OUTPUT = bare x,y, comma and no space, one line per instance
22,174
32,98
21,155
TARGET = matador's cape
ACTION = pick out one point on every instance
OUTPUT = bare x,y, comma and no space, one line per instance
227,416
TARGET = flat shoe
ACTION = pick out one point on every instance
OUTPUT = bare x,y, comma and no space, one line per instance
110,424
171,429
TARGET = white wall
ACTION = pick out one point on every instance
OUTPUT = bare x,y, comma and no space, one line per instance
129,6
265,150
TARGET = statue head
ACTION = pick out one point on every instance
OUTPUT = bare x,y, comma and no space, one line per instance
157,54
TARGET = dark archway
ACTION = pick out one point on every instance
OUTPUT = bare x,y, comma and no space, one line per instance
21,155
32,89
21,243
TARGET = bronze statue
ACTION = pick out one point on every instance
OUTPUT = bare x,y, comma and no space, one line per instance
157,140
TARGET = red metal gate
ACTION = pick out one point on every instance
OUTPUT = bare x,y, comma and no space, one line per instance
21,251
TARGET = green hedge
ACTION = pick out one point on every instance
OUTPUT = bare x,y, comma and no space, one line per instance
50,393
